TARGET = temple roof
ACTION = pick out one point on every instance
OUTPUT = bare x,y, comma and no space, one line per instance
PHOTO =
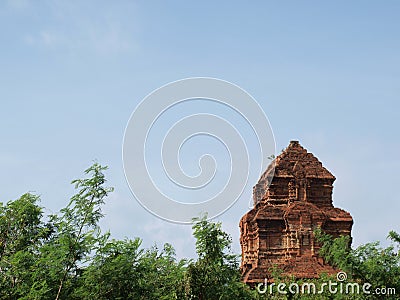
296,162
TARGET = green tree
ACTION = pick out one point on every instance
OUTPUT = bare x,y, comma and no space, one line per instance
76,235
368,263
22,233
215,275
123,270
336,251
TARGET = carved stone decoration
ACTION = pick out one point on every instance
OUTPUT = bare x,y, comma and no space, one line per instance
279,230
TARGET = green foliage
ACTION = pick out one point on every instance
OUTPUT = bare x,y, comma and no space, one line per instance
369,263
22,233
122,270
394,236
336,252
76,235
215,275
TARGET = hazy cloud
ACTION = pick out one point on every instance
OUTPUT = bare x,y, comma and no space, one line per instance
74,28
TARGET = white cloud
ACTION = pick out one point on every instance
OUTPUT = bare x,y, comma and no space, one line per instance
110,40
79,28
17,4
51,39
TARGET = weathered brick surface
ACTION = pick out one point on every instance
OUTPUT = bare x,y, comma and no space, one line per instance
279,230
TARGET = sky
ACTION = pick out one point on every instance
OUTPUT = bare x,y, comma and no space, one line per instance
325,73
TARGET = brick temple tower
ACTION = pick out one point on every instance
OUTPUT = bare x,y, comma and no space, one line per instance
279,229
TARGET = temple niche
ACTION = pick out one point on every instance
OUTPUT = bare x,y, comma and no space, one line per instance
290,202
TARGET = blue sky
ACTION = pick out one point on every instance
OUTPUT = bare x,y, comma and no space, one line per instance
325,73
